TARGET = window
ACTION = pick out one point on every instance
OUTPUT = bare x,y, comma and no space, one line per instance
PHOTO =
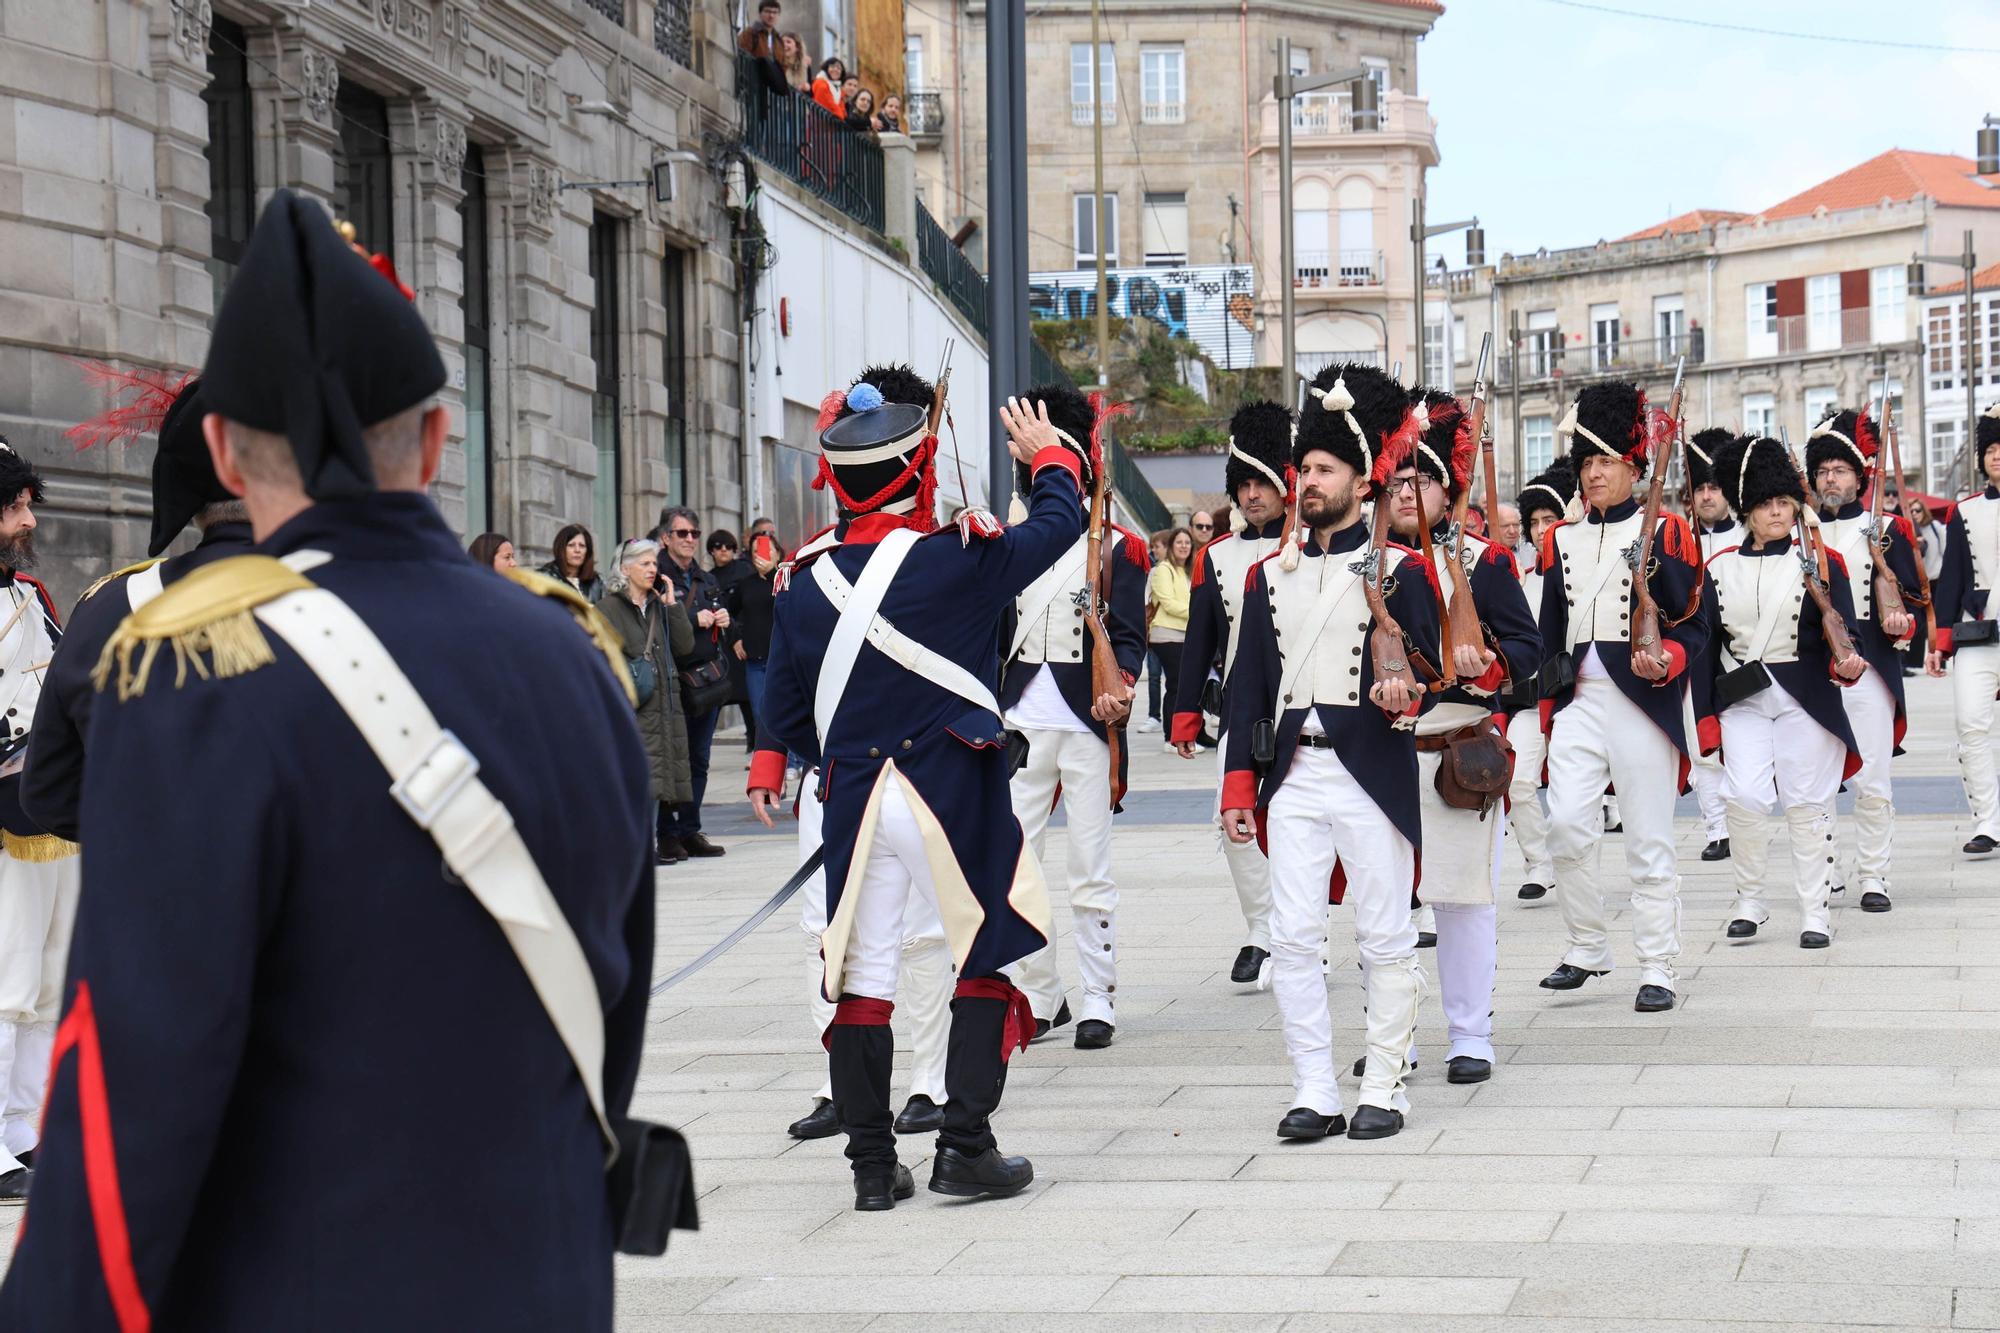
1461,346
362,193
1378,70
605,409
1538,444
1894,386
476,309
913,62
1163,229
1310,248
1670,326
1543,344
1760,411
1940,329
1823,312
1944,438
1760,319
1818,401
674,292
1081,111
1604,333
1302,62
1357,247
232,182
1435,350
1162,84
1888,303
1086,230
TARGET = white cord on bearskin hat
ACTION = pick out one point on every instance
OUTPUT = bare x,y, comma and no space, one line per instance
1825,430
1571,427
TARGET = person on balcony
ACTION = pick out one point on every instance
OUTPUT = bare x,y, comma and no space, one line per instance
760,42
889,120
826,89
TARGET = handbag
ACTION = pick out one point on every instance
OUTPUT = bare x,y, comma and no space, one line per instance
1476,768
704,685
645,676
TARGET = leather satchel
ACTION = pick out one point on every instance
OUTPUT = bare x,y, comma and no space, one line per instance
1475,768
704,685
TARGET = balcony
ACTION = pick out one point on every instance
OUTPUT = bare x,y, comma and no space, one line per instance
946,265
1336,269
1323,113
1800,335
1081,113
1585,361
1330,115
673,33
611,9
923,113
1163,113
800,138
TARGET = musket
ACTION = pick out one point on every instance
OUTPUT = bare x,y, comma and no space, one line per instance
1892,444
1105,678
1389,648
940,401
1646,611
1811,550
1461,615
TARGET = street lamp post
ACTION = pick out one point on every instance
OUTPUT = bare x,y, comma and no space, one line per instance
1285,88
1475,255
1969,262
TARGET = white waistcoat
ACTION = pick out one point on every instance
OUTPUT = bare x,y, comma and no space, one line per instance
1580,547
1849,538
1057,634
27,643
1714,543
1333,669
1231,561
1745,587
1981,517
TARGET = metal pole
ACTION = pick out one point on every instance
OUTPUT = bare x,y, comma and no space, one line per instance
1007,221
1417,259
1514,372
1097,176
1287,301
1977,479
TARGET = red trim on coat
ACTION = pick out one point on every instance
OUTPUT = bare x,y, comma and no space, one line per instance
1677,660
1200,574
1058,456
767,771
1490,679
1239,789
1186,729
1019,1028
1708,734
1547,711
1944,645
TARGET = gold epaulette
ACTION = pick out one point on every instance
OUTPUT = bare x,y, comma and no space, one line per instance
207,618
593,621
94,588
39,847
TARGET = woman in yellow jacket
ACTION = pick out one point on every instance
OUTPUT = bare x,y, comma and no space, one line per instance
1167,593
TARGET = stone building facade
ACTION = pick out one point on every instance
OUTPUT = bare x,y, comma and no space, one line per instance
509,155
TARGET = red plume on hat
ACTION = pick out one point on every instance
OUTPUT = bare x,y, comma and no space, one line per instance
140,399
1865,438
1102,409
1399,445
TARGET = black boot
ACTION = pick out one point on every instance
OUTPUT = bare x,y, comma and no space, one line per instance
968,1162
859,1057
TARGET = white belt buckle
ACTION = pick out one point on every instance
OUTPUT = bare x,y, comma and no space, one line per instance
441,774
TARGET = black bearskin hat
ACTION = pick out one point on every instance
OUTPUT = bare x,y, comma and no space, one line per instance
1701,447
1262,430
1609,418
876,449
17,475
1446,448
1552,490
1989,430
1844,436
1075,414
1753,469
1345,398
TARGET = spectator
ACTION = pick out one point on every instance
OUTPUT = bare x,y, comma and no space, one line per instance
765,527
750,607
729,571
1475,520
493,550
704,675
889,120
1168,590
760,41
654,631
850,87
1202,524
575,561
826,88
1508,531
861,110
1155,672
1930,538
792,59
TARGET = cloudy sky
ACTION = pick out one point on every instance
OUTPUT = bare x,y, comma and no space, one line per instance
1561,125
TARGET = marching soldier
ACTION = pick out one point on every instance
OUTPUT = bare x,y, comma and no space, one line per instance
1766,690
1615,709
1047,694
1842,458
905,732
1260,457
1966,636
1716,528
1322,756
1464,834
377,919
1543,503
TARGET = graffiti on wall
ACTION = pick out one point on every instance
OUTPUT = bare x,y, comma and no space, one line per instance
1212,305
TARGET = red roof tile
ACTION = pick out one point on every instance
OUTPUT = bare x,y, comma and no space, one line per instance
1984,280
1899,174
1693,220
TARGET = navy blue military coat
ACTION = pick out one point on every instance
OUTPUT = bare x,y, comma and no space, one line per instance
1956,595
1869,640
1207,632
949,595
301,1080
1512,633
52,783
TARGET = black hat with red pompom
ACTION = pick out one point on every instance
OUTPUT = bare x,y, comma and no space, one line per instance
1844,435
1445,447
1612,420
1359,415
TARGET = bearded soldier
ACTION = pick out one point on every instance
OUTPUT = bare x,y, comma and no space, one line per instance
1257,477
1543,503
1966,636
1614,708
1842,458
1716,528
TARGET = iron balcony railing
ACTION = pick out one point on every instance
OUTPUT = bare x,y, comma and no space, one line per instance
923,113
1337,268
1829,332
800,138
673,31
1577,361
611,9
946,265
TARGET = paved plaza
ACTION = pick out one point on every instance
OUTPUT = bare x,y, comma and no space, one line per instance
1811,1141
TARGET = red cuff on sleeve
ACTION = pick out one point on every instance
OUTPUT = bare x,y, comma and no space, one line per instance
1708,734
1547,709
1490,679
1186,728
1677,659
767,770
1239,789
1057,456
1944,640
1128,677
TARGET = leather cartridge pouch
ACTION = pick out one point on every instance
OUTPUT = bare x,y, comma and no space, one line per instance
1263,744
1017,752
1475,767
1966,633
1211,696
1733,687
1558,675
651,1187
1521,696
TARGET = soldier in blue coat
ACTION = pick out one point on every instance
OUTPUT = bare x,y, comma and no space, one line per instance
884,658
302,1074
1962,599
1322,758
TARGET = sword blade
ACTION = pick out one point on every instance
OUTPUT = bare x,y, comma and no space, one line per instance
757,918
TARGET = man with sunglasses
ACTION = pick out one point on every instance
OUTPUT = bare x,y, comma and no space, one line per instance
1202,524
679,535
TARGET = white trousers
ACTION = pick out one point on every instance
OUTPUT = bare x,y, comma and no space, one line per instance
926,960
1249,870
1318,815
1975,677
1871,714
1078,764
1526,818
1708,794
1462,864
1601,738
37,913
1776,758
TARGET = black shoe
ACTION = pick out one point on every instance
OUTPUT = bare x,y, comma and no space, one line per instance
877,1193
1093,1034
1530,892
989,1174
697,844
672,852
1980,845
25,1158
1249,962
1718,850
1043,1026
1568,976
822,1122
1427,939
920,1115
1303,1123
1619,827
1467,1069
1653,999
1813,939
1740,929
1372,1122
1872,901
1361,1065
14,1185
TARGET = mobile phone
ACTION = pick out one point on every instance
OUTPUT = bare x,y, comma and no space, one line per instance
763,547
